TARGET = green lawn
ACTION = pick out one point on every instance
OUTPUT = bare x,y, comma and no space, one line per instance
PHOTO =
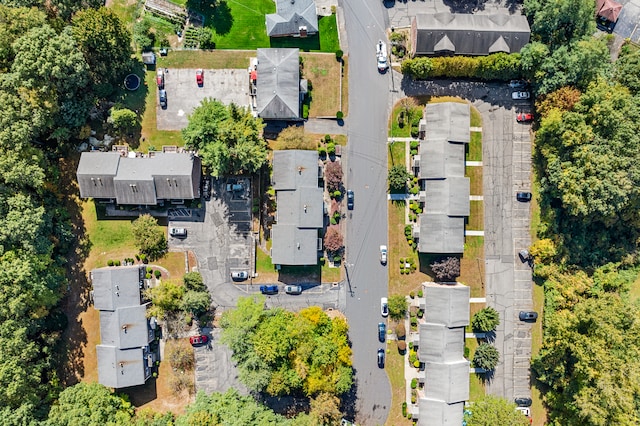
263,262
325,41
405,130
106,234
476,382
240,24
474,151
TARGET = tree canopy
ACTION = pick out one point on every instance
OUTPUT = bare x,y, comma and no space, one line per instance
281,352
227,138
492,410
150,238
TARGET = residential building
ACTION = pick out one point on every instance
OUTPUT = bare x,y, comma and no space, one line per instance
124,356
441,170
278,85
447,33
300,208
441,350
144,181
295,18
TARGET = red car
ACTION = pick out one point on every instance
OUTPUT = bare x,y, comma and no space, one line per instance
200,77
524,117
198,340
160,78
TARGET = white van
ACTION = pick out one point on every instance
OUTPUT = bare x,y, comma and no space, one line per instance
178,232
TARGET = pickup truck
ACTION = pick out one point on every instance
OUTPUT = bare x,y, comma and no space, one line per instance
381,54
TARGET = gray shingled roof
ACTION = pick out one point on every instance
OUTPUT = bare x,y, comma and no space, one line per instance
439,343
449,196
118,368
300,208
446,304
125,328
278,85
290,16
116,287
469,34
448,382
435,412
168,176
440,233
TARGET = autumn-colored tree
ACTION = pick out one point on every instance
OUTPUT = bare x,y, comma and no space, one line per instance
333,176
446,270
333,241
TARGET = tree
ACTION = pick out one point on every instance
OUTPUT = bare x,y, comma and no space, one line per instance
325,409
196,302
486,319
228,138
333,176
106,46
491,410
90,403
486,357
180,355
398,177
561,22
16,21
397,307
193,281
292,138
166,297
142,36
123,120
150,238
333,241
446,270
562,99
627,71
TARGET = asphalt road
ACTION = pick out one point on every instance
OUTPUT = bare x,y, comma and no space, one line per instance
366,172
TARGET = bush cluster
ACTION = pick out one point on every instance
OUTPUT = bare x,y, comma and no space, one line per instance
499,66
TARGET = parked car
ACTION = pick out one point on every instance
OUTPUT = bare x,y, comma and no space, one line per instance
384,306
382,331
523,402
293,289
198,340
381,358
269,289
518,84
235,187
162,96
524,255
349,199
604,24
383,254
178,232
200,77
528,316
239,275
160,78
524,197
206,188
381,55
524,117
524,410
520,95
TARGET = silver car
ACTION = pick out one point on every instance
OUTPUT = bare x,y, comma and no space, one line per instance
293,289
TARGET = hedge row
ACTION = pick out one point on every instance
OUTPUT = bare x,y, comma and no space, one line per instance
499,66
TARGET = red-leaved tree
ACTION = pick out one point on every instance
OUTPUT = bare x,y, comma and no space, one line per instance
333,241
333,176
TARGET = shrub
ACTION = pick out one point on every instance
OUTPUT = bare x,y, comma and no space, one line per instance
137,257
447,269
143,258
420,293
117,263
410,345
397,307
466,352
149,269
157,273
331,149
400,331
416,364
305,111
413,398
414,321
413,356
327,138
337,259
412,295
148,276
404,409
339,55
337,194
414,383
402,345
486,319
109,262
339,115
188,319
486,357
415,144
193,281
420,313
333,221
322,151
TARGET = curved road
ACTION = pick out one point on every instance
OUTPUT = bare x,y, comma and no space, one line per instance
367,229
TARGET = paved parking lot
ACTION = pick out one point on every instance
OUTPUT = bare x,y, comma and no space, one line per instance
184,95
215,371
627,25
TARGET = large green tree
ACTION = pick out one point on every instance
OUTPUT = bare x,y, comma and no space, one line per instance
227,138
106,46
491,411
150,238
560,22
90,404
14,23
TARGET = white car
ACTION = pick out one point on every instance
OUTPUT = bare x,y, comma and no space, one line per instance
293,289
178,232
381,55
524,410
520,95
383,255
384,306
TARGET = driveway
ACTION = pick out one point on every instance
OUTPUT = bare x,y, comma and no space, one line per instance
184,95
628,20
506,161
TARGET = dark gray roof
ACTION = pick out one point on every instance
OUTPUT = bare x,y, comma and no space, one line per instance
449,121
440,233
300,208
435,412
278,85
125,328
145,180
439,343
447,382
290,16
469,34
448,196
116,287
118,368
446,304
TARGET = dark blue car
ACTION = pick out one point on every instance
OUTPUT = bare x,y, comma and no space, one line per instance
269,289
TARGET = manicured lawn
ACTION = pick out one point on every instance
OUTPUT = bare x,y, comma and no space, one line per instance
475,176
476,117
240,24
397,154
216,59
476,383
324,73
474,152
106,235
394,366
402,131
476,218
472,265
126,11
151,136
325,41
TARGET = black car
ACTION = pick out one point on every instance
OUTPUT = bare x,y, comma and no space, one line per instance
162,94
523,402
349,199
605,25
518,84
528,316
382,331
269,289
381,358
206,188
524,197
